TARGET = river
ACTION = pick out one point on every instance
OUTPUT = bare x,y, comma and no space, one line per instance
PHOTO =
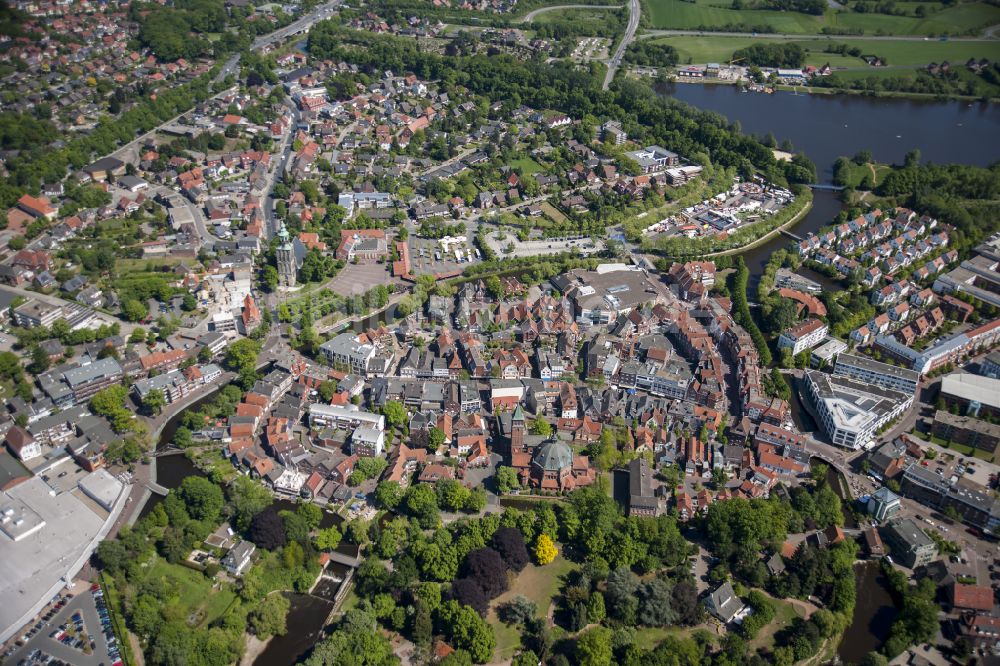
825,127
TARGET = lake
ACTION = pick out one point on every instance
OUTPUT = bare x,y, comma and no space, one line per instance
825,127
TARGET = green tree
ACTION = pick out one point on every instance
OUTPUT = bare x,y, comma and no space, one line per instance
328,539
269,618
388,494
506,479
327,389
541,427
247,498
154,401
468,631
202,498
241,358
395,413
435,438
595,608
134,310
420,501
39,361
593,647
269,278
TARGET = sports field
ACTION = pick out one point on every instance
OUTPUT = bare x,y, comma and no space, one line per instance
956,20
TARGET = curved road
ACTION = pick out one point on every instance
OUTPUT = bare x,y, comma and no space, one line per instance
530,16
616,60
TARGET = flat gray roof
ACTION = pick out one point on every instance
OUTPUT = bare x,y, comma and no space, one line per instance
31,569
877,366
983,390
105,367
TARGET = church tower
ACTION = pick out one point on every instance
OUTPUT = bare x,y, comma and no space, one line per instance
517,429
285,254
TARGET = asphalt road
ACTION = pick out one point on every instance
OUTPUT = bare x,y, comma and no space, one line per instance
634,12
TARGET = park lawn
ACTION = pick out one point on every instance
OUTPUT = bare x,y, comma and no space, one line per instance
679,14
541,585
647,638
526,166
784,614
194,593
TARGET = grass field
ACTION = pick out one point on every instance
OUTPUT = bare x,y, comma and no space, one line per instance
551,212
194,597
877,171
541,585
703,49
527,166
146,265
784,613
595,15
647,638
681,15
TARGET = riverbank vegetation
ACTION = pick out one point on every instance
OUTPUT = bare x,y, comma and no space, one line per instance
917,621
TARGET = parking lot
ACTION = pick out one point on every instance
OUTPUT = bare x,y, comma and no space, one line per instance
356,279
68,633
427,255
533,248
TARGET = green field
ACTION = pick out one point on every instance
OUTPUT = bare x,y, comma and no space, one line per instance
595,15
194,599
898,54
526,166
681,15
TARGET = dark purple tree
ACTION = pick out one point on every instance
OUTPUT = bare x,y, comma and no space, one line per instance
267,530
486,568
467,591
509,542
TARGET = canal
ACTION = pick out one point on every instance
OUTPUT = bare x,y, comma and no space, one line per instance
874,612
825,127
